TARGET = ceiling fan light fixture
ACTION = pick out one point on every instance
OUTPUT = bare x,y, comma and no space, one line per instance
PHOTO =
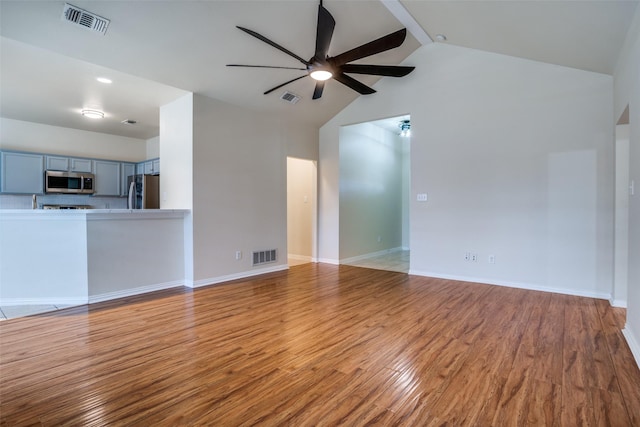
405,128
321,75
92,114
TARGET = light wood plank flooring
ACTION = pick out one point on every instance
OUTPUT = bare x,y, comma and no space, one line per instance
392,261
323,345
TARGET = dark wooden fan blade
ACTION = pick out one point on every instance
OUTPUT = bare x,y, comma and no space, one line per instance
317,92
274,44
361,88
377,70
387,42
266,66
324,32
284,84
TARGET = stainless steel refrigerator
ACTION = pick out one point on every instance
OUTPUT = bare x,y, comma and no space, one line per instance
144,192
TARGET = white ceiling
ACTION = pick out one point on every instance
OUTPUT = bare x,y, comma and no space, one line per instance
155,50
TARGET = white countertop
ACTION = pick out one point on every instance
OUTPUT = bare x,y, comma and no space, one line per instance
93,213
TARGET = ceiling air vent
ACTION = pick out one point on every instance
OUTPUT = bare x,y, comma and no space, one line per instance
291,98
85,19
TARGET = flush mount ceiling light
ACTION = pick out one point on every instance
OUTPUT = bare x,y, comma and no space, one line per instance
104,80
93,114
405,128
441,37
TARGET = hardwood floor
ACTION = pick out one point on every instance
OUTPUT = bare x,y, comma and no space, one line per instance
323,345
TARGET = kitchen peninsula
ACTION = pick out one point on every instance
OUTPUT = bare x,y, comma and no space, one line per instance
84,256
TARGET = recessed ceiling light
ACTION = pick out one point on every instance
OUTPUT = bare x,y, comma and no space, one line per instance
441,37
93,114
104,80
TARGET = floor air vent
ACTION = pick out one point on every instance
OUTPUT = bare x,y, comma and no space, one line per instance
263,257
291,98
85,19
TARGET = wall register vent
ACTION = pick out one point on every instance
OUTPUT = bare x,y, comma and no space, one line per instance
264,257
81,17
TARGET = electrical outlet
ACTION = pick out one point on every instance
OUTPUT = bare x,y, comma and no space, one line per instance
238,255
492,259
467,256
474,257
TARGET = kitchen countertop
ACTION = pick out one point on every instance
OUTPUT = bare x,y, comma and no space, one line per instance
92,214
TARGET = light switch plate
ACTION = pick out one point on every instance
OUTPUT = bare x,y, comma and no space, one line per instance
422,197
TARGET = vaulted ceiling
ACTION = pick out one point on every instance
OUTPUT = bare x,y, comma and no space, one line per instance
154,51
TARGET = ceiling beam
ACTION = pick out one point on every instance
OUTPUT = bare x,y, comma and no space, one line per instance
402,14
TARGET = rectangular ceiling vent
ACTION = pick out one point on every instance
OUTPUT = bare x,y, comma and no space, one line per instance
291,98
85,19
264,257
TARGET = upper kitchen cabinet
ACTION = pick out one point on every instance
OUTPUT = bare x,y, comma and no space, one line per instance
21,173
58,163
148,167
126,169
107,175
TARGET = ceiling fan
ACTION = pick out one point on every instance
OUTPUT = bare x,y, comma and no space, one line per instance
322,67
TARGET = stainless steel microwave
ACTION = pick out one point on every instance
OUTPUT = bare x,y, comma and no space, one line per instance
69,182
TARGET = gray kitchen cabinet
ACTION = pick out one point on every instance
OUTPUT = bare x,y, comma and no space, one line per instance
107,175
68,164
21,173
126,169
56,163
81,165
149,167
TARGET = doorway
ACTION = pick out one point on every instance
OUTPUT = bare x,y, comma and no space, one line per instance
301,210
374,194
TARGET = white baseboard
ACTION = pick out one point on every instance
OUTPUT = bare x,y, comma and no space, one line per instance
43,301
241,275
633,341
305,258
370,255
135,291
329,261
618,303
518,285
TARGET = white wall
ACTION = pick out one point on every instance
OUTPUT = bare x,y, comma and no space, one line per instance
621,237
176,177
130,254
176,148
27,136
497,144
301,183
43,258
153,147
406,192
627,93
239,187
370,190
